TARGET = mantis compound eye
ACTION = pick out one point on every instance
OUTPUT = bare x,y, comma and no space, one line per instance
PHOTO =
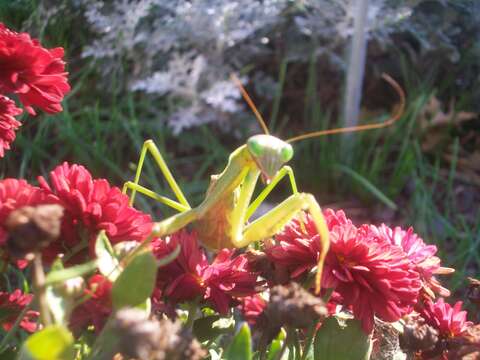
255,147
286,153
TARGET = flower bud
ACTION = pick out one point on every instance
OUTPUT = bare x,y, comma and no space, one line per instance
30,229
294,306
418,337
145,339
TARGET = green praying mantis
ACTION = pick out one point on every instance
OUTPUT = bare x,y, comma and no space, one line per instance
222,219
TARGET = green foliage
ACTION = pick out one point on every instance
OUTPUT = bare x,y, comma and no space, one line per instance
342,339
60,306
136,282
241,346
52,343
210,327
60,275
108,264
276,346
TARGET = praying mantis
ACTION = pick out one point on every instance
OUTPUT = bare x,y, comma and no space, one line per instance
221,220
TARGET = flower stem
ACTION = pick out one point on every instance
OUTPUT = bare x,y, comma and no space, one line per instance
328,295
192,312
309,340
40,290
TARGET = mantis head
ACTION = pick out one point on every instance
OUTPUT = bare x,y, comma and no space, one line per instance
269,153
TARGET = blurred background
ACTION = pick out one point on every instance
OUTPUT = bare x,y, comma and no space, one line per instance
158,69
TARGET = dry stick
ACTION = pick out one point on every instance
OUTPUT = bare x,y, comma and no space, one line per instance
40,290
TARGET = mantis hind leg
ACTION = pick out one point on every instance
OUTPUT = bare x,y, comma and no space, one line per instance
272,222
150,147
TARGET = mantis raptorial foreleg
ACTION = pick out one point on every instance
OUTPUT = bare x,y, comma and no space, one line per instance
180,205
285,170
273,221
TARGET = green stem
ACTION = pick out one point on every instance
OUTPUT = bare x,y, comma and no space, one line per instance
328,295
192,312
296,342
75,250
309,340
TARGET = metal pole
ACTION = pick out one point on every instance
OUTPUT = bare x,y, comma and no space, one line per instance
356,64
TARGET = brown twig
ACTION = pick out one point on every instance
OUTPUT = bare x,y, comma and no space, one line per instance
40,290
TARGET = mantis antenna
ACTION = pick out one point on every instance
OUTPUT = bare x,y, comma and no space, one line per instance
250,103
397,115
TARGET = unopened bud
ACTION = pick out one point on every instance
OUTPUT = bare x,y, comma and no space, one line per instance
30,229
145,339
294,306
418,337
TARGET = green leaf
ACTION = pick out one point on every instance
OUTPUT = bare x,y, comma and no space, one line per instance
146,306
108,264
136,282
52,343
56,276
368,185
241,346
335,333
210,327
276,346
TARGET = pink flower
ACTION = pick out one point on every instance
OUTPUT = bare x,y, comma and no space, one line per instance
449,321
96,309
8,124
420,254
374,277
252,307
93,205
11,305
36,74
298,247
191,276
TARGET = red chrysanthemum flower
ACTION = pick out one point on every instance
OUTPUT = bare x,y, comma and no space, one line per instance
374,277
37,75
191,275
420,254
252,307
11,305
96,309
14,194
297,246
93,205
8,123
449,321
